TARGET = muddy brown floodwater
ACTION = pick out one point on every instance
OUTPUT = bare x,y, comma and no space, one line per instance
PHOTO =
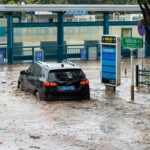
105,122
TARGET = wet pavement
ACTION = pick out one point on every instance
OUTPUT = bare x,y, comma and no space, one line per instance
105,122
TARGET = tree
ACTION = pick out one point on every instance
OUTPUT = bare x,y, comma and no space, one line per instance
145,8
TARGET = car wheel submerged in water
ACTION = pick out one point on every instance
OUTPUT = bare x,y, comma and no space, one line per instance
20,86
37,95
51,81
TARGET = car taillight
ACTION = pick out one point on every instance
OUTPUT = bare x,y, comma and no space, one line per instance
84,82
49,84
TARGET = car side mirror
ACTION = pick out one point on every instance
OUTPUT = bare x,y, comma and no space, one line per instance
23,72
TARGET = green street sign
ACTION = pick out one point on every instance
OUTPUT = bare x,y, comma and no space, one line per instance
132,42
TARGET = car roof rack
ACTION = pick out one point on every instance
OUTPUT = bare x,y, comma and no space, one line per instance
62,64
69,62
41,62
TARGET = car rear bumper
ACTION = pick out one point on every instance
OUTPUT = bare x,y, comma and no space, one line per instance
81,94
60,97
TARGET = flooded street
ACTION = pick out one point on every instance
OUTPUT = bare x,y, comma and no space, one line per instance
105,122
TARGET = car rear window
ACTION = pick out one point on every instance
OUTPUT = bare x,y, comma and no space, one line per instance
66,75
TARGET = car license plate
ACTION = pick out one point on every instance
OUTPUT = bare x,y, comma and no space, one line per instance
66,88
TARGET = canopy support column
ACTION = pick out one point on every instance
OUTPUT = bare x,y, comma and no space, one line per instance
10,37
106,23
60,36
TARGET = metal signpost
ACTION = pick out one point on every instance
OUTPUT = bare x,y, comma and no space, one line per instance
141,31
132,43
141,27
110,60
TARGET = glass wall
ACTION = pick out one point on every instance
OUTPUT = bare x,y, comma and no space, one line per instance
33,36
77,35
117,30
72,35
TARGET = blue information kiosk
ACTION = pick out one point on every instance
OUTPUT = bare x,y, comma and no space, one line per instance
111,60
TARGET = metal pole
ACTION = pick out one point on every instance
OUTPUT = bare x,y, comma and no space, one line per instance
32,55
137,75
142,53
132,76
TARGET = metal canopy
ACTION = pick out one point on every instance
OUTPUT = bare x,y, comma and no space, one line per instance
61,7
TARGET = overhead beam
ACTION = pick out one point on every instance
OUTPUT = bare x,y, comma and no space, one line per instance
82,24
123,23
30,25
75,24
63,7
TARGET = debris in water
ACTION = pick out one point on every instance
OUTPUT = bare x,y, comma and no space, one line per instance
3,81
35,136
34,147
